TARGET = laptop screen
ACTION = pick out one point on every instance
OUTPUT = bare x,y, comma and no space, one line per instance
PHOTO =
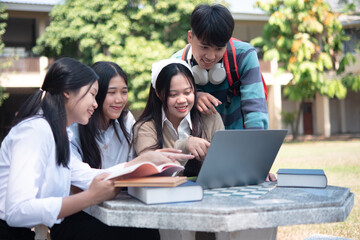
240,157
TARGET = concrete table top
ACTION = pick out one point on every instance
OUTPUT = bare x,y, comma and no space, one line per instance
279,207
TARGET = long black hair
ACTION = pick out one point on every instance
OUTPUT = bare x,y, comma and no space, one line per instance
155,102
64,75
92,131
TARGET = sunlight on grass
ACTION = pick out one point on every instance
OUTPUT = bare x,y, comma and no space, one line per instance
341,163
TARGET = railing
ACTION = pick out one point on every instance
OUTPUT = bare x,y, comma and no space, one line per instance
20,65
32,64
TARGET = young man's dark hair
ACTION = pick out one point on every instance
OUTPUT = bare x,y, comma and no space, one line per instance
212,24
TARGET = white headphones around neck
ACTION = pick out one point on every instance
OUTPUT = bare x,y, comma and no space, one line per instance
215,75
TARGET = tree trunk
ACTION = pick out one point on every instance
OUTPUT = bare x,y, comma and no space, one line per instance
296,130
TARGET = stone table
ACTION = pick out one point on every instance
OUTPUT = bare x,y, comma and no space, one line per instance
231,217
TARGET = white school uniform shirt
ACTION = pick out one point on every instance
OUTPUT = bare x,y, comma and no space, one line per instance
184,129
32,185
112,150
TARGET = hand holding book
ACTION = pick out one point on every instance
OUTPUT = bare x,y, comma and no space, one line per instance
150,163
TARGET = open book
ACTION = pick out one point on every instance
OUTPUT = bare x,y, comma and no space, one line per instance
146,169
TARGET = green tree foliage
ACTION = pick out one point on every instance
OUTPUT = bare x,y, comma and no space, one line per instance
133,33
350,6
351,80
289,118
306,37
3,18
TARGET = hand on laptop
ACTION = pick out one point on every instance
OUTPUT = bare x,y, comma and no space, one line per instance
270,177
198,147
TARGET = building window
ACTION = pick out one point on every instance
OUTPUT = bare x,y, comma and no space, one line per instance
354,42
19,37
14,52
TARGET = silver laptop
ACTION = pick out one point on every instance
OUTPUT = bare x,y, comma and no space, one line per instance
240,157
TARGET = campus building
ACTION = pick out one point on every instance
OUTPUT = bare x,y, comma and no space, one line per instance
28,19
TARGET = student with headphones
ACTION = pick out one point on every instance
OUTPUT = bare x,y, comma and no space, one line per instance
211,30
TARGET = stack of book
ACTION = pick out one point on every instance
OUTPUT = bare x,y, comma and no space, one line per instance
153,184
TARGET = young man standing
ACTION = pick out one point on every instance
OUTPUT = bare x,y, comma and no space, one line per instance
211,29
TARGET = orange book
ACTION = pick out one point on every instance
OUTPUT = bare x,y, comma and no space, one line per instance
150,182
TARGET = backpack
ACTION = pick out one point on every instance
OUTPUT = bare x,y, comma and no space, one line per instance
231,69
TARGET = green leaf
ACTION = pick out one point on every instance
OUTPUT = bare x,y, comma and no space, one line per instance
336,89
352,81
3,17
271,54
257,42
305,37
345,61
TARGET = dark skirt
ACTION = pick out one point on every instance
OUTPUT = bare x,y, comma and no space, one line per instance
83,226
15,233
192,168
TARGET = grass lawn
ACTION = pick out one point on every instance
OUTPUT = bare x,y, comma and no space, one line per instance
341,163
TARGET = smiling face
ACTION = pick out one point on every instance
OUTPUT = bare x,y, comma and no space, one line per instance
205,55
116,98
80,105
180,100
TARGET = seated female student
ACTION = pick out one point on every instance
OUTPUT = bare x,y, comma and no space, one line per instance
102,143
106,140
37,166
170,118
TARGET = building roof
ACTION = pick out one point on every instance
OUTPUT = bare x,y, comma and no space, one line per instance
39,2
241,10
247,6
245,10
30,5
